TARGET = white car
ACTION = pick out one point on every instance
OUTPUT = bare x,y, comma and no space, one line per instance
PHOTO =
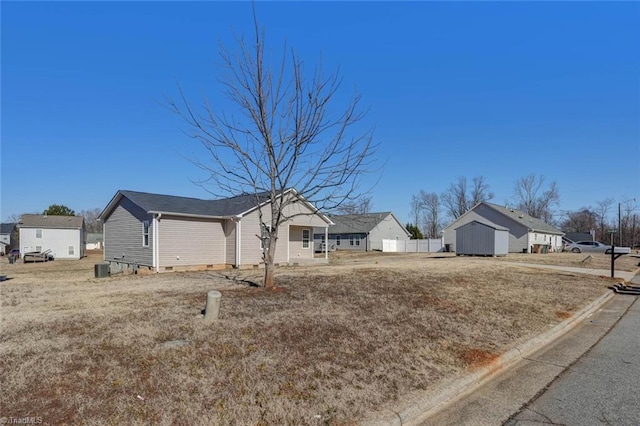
589,247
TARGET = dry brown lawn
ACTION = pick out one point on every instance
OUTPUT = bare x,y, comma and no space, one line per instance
329,346
577,260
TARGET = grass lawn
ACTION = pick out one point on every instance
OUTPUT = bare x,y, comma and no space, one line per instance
329,346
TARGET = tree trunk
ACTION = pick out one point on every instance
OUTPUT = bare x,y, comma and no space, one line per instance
269,278
269,264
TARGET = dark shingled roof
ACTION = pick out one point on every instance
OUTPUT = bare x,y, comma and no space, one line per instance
356,223
578,236
94,238
51,221
7,228
526,220
486,223
158,203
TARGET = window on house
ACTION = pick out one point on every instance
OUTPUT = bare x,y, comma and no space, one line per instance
38,233
337,240
39,249
71,250
354,240
305,238
145,233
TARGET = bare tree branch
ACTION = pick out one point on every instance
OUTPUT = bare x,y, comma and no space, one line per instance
283,133
536,199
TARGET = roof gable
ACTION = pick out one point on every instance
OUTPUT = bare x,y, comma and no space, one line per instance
358,223
529,222
485,223
51,221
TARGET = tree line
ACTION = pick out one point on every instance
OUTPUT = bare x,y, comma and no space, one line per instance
431,211
604,219
532,194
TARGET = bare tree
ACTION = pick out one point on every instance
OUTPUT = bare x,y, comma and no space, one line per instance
416,208
425,209
602,211
91,222
459,199
361,205
627,222
535,198
282,134
583,220
480,191
432,214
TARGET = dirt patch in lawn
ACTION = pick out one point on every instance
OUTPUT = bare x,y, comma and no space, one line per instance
340,341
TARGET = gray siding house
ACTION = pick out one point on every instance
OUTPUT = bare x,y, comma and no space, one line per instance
363,232
7,231
478,238
166,232
524,230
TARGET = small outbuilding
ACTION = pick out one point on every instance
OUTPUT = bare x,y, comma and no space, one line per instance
478,238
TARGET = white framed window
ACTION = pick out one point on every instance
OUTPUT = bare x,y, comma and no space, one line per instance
354,240
71,250
38,233
145,233
39,249
337,240
306,235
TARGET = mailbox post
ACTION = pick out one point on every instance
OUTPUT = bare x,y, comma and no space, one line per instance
613,249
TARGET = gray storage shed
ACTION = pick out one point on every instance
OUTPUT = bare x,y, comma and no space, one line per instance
482,239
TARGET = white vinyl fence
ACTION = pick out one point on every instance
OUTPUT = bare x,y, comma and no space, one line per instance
431,245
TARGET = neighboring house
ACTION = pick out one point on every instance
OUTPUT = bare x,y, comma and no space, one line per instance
6,237
166,232
363,232
63,236
524,230
94,241
574,237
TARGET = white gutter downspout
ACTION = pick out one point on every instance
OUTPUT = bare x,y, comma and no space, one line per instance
238,222
288,243
156,242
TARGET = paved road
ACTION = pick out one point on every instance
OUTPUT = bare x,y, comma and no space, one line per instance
592,374
601,388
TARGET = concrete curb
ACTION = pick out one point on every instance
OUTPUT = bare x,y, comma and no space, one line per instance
422,406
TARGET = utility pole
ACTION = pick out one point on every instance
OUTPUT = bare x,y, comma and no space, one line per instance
619,226
633,232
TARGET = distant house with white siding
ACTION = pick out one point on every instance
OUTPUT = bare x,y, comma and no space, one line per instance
166,232
361,232
524,231
6,237
62,236
94,241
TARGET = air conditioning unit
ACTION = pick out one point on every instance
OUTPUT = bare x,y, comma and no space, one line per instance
102,270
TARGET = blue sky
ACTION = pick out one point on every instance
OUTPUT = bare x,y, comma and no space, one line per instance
499,89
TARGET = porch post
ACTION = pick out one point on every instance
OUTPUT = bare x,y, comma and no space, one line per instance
326,242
